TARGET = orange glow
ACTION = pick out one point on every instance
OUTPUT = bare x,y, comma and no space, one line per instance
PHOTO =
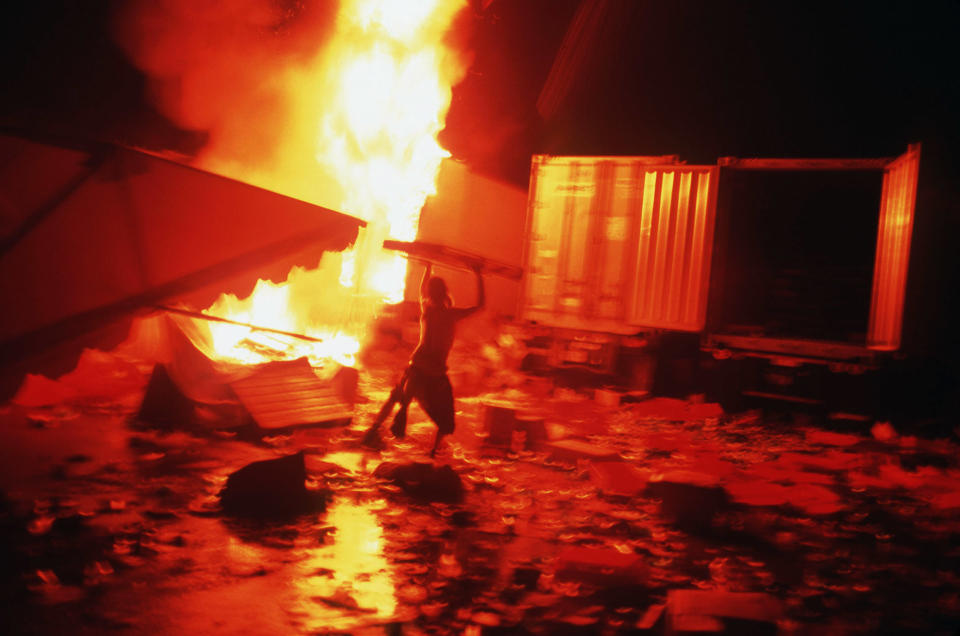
673,267
349,571
367,113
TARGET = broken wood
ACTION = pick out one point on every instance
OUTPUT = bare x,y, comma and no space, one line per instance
280,395
202,316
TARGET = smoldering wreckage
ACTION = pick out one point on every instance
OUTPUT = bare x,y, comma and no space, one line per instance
602,478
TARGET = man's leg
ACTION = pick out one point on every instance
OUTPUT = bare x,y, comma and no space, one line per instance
396,395
408,390
436,443
439,406
399,427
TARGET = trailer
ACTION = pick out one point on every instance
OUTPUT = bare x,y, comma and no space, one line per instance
776,269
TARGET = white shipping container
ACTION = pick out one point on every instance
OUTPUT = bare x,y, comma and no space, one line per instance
618,244
622,244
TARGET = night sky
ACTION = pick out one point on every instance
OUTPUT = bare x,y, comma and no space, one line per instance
707,79
700,79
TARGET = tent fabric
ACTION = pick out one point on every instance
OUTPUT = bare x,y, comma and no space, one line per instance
92,235
182,345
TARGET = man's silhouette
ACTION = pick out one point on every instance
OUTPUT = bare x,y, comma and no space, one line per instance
426,377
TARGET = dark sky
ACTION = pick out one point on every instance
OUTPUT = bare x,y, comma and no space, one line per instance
708,78
698,78
63,74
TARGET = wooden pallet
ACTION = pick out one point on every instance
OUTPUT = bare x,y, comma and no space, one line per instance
288,394
451,257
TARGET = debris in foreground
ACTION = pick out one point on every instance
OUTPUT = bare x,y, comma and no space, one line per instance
271,488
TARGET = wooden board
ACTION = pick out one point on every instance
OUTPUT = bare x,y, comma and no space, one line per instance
288,394
451,257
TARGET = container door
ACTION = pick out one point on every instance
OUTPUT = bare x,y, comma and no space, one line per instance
676,214
558,227
617,244
897,203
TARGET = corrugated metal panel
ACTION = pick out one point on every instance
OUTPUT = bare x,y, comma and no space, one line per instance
674,245
893,250
618,243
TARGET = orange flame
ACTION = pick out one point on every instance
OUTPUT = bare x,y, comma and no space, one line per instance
386,78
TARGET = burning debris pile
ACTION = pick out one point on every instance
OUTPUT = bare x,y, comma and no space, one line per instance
345,117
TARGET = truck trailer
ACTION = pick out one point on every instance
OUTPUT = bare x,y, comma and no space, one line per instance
751,280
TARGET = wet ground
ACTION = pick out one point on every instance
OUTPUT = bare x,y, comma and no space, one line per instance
112,528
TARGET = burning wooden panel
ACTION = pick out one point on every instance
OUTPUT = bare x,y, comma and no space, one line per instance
284,394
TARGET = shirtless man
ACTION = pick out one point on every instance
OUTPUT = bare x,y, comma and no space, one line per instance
426,377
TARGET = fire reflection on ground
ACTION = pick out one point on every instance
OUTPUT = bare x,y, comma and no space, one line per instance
119,528
349,572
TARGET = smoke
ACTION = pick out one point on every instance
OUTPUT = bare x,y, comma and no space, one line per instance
240,71
338,104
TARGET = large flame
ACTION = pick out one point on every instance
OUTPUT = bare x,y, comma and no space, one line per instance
375,98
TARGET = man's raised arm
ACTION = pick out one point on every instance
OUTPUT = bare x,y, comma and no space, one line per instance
463,312
481,293
424,282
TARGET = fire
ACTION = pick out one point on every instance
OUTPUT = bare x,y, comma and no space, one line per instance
386,77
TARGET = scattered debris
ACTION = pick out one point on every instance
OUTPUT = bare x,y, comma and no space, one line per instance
422,481
722,612
572,450
607,398
601,566
691,500
652,620
883,431
271,488
533,428
617,478
499,422
164,404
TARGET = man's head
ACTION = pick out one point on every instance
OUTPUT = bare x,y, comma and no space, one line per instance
437,291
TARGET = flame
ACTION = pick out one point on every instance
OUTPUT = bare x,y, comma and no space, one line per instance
385,78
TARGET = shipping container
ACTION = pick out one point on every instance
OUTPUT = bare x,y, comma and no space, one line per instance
618,244
796,261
